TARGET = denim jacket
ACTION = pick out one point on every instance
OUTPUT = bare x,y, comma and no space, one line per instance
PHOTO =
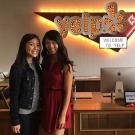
21,87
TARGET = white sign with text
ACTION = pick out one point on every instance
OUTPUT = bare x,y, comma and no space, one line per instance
113,42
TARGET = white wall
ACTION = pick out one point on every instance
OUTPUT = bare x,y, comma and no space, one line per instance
17,18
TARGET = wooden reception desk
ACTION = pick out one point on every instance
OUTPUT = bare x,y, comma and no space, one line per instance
99,115
5,128
92,115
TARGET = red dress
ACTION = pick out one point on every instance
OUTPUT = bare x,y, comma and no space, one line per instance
53,98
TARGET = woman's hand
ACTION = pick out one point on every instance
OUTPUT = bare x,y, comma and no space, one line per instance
61,121
16,129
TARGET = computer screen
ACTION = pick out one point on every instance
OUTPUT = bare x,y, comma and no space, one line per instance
109,76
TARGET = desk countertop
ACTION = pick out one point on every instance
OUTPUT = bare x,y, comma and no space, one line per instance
100,103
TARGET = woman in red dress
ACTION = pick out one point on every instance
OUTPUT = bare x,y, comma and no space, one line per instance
57,84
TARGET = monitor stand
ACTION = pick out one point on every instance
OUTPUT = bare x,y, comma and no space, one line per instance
119,91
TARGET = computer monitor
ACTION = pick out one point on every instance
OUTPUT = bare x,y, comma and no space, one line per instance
109,76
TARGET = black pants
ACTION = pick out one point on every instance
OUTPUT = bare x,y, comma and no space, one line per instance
29,123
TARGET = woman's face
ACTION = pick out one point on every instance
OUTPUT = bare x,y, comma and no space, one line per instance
32,48
51,46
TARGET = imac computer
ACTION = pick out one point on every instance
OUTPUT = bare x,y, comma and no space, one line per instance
110,75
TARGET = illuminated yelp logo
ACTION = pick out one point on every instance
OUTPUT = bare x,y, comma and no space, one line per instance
93,26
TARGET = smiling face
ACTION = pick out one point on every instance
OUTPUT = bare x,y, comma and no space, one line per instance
51,46
32,48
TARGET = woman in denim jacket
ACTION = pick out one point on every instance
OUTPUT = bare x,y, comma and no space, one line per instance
24,87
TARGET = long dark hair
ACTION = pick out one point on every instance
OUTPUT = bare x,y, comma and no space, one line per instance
62,51
21,56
